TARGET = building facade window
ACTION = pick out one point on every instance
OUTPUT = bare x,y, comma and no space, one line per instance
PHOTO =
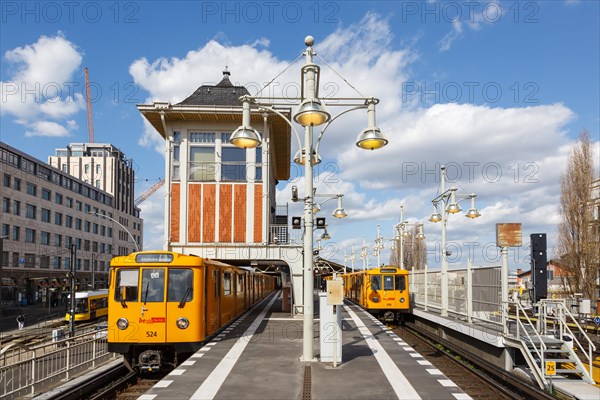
6,180
45,216
16,207
5,205
78,224
31,189
17,184
58,240
45,262
16,233
46,194
233,164
68,221
57,261
58,217
30,211
45,238
58,198
29,235
5,230
69,202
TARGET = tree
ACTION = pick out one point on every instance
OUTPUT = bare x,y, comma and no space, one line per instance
414,251
578,242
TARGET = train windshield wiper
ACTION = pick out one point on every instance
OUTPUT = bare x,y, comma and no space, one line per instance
146,293
123,304
185,296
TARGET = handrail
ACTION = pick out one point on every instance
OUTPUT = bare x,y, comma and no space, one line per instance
540,352
562,308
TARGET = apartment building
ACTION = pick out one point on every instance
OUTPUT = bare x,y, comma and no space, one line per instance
45,211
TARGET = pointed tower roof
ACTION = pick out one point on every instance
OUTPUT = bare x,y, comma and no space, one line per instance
223,93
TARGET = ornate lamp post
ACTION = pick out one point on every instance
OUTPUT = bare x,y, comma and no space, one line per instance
448,200
311,112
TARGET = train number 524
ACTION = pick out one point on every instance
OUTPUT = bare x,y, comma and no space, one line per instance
151,334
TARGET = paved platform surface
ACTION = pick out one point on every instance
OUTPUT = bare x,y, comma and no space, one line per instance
258,357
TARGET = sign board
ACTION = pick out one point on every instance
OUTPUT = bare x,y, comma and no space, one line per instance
551,368
509,235
597,321
21,261
335,292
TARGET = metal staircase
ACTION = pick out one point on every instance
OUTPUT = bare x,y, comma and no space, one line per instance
549,356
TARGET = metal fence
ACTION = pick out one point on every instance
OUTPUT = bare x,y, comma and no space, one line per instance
473,292
26,371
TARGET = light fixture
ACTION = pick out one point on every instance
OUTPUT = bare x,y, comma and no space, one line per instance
311,113
245,136
453,207
436,216
299,157
325,235
371,138
473,213
420,234
339,212
316,208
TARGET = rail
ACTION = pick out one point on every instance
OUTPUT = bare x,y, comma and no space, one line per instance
555,310
27,370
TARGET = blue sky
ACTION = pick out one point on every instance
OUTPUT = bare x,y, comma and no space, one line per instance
499,91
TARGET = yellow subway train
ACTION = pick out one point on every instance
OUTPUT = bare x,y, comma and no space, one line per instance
164,305
382,291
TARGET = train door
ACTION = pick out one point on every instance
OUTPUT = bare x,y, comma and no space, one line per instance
183,302
213,300
152,307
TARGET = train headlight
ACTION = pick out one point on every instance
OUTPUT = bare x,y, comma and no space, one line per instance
401,300
183,323
122,323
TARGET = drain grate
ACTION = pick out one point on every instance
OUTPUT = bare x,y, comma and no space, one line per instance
306,387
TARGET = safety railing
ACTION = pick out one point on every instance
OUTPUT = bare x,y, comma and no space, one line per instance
27,370
552,311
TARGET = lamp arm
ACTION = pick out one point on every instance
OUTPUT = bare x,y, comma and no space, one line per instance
264,107
330,121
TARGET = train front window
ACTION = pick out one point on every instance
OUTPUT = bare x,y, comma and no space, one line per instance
388,282
153,285
180,285
127,285
400,282
376,282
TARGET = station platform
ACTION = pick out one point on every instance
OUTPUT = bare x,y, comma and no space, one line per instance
258,357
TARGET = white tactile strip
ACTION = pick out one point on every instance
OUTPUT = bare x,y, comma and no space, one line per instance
200,353
433,371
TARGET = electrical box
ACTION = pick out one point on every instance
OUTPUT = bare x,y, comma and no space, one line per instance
585,306
335,292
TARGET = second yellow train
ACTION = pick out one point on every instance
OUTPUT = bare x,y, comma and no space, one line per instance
382,291
164,305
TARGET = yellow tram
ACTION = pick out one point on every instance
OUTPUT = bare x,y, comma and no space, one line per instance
89,305
382,291
162,304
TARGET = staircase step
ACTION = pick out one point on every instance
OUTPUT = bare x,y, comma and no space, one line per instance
561,360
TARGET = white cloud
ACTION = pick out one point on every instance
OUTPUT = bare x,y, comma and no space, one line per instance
38,92
46,128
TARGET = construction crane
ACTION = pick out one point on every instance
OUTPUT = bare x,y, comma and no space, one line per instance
88,103
149,192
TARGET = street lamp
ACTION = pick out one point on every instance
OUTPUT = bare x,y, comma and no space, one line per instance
311,112
118,223
449,205
402,233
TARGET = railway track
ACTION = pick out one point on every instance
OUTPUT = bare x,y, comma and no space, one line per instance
479,380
